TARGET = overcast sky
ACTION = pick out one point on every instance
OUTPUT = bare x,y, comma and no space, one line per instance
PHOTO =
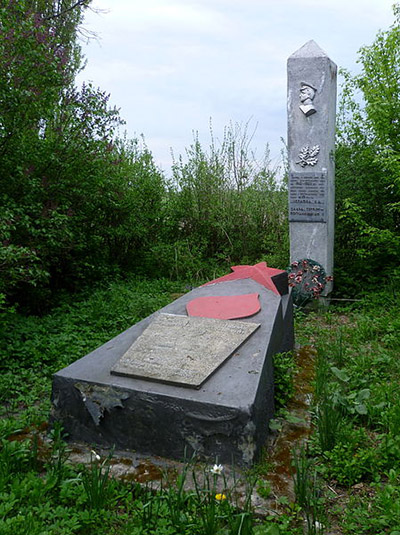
172,65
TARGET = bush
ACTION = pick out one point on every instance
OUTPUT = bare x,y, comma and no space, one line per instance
226,204
367,165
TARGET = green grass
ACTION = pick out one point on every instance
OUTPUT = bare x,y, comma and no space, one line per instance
356,443
348,475
33,348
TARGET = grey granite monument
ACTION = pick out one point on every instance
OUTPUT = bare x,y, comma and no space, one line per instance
311,141
174,383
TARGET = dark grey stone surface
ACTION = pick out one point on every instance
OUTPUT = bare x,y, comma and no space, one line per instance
227,418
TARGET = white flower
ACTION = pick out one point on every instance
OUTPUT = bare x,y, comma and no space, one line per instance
318,525
217,469
95,455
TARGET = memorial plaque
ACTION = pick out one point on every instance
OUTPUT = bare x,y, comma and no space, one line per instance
182,350
307,197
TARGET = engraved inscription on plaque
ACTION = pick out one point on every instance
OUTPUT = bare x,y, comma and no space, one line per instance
307,197
182,350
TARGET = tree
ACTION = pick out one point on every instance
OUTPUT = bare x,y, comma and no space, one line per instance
76,201
368,162
39,57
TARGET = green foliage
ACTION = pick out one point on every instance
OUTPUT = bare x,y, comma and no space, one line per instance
356,447
104,212
76,202
302,476
88,501
224,205
353,401
96,482
328,421
284,371
380,515
307,491
353,458
38,58
367,165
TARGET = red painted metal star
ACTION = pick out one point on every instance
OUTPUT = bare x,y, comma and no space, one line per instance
260,273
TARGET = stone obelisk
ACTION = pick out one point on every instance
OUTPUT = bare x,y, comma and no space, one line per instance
311,141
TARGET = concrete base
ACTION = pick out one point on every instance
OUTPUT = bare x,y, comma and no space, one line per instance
226,419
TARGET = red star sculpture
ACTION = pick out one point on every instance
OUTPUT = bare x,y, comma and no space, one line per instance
260,272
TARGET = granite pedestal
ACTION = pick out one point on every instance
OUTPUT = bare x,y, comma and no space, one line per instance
225,419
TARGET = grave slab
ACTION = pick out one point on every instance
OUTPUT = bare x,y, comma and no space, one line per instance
225,419
171,349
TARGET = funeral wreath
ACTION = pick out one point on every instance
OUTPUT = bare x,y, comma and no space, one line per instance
308,280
